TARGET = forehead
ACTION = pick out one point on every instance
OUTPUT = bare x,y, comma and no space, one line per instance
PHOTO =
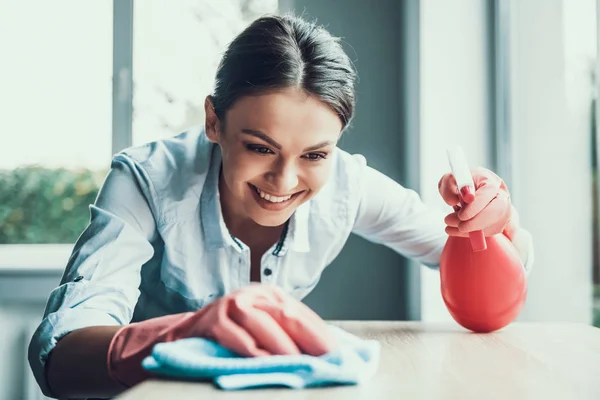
286,114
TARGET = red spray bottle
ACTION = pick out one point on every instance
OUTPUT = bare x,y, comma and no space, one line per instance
483,282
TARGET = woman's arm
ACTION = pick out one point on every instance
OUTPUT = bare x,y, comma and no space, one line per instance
255,320
97,294
77,367
395,216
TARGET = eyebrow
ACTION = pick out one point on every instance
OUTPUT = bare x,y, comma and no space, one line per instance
273,143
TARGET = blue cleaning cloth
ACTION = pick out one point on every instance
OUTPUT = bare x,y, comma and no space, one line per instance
354,361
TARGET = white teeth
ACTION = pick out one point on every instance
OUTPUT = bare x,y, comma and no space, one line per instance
272,199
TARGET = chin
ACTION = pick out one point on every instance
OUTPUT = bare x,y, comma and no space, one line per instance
263,219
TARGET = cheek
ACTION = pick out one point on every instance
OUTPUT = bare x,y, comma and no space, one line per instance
316,178
240,170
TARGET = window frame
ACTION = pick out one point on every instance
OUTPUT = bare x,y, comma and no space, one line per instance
53,257
501,135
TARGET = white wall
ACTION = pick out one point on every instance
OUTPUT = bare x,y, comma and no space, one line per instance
454,105
552,158
15,321
550,43
28,273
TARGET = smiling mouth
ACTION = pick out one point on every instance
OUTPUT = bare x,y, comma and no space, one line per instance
272,198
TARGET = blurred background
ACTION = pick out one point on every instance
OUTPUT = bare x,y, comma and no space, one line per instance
511,81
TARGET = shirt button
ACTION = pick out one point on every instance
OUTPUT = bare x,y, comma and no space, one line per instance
78,278
268,271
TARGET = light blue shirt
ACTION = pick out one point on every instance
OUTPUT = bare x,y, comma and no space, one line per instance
157,243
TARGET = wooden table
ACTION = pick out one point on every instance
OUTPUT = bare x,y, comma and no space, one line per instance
442,361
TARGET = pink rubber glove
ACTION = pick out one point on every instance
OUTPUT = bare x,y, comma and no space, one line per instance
256,320
491,211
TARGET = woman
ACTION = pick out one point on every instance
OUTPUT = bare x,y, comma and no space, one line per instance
260,194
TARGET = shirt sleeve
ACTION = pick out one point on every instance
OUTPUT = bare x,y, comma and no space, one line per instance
395,216
523,242
100,285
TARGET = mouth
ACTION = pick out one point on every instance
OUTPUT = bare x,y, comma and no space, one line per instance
271,201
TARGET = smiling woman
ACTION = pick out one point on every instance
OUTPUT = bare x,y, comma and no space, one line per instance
267,147
286,166
221,230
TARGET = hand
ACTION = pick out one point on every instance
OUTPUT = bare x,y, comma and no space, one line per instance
256,320
491,211
260,320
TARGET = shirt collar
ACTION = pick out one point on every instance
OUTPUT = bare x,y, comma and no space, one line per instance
214,229
297,232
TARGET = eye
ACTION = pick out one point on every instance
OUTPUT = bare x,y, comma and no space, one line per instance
259,149
315,156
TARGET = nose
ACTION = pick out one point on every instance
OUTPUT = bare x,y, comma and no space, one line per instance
284,177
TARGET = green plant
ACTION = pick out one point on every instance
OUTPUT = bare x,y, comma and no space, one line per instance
43,205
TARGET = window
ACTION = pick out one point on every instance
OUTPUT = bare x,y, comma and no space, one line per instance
57,138
177,47
55,93
535,62
551,103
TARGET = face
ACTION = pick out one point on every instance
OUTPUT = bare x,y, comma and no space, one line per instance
276,150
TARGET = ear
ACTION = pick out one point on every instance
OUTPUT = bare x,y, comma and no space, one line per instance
211,124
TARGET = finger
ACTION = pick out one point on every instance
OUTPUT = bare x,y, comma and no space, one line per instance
312,338
229,333
487,186
483,195
265,330
257,291
449,190
305,311
278,295
452,220
451,231
233,337
314,320
491,219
